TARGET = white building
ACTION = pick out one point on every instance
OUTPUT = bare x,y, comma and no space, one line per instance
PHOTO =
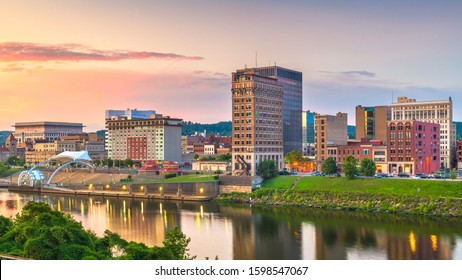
155,138
435,111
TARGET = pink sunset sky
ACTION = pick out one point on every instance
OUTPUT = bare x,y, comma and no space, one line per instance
72,60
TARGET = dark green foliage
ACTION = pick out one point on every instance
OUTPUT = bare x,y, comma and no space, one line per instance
128,162
12,160
170,175
39,232
222,128
3,169
329,166
349,167
368,167
453,174
5,225
224,157
267,169
196,156
216,177
97,162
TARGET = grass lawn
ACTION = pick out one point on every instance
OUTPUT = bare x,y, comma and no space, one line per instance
279,182
428,188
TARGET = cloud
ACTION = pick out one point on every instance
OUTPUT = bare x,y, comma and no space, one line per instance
16,51
352,73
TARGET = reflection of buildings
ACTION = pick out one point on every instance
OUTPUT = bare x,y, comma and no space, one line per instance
259,236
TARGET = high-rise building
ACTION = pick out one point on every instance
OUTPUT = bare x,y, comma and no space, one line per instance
371,122
308,133
459,154
257,121
329,130
413,147
49,131
291,82
436,111
141,139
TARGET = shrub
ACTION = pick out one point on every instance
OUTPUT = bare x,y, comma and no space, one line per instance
216,177
170,175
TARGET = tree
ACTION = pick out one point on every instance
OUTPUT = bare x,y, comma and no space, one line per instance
117,162
196,156
294,158
12,160
267,169
225,157
329,166
22,162
368,167
110,162
97,162
3,169
176,244
128,162
349,167
453,174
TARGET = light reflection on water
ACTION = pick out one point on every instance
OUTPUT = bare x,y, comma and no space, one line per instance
243,232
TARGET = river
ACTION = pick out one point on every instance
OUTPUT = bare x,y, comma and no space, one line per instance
244,232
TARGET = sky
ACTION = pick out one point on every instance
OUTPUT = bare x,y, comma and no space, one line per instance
71,60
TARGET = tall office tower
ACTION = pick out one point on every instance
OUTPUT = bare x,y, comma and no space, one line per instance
291,82
435,111
329,130
141,138
308,133
257,121
371,122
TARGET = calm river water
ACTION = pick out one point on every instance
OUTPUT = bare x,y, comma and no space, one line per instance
244,232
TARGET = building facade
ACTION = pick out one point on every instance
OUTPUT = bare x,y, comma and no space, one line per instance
365,148
459,154
371,122
413,147
329,131
436,111
292,85
308,133
49,131
257,108
157,138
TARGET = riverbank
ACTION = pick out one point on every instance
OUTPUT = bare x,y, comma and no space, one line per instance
403,196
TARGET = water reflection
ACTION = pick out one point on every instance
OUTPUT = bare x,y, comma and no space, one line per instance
242,232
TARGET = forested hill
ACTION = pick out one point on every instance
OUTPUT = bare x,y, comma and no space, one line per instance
222,128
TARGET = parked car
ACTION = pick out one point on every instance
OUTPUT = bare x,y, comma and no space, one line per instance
416,177
421,175
403,175
294,172
379,175
338,174
389,175
316,173
284,173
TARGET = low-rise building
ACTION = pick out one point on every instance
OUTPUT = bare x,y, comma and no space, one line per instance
211,166
365,148
209,149
413,147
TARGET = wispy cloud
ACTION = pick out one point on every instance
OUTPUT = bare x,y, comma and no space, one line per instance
16,51
355,73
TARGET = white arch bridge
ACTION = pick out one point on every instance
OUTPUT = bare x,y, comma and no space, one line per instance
34,176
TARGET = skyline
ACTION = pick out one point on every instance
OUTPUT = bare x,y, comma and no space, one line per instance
72,61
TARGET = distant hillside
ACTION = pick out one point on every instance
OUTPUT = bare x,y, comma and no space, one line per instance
222,128
351,132
3,136
458,130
